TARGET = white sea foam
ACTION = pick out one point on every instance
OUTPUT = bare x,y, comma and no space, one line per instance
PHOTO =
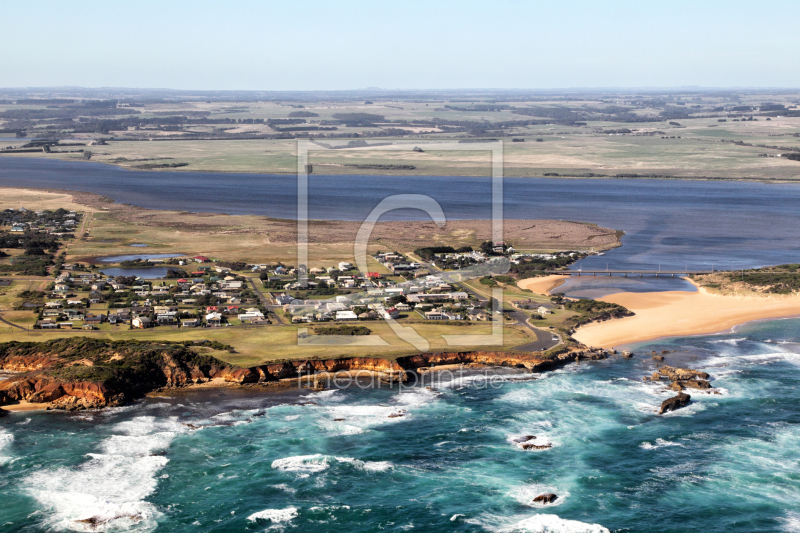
751,359
327,395
791,522
329,507
96,490
302,463
316,463
540,523
285,488
6,439
369,466
338,428
274,515
732,342
660,443
417,397
357,418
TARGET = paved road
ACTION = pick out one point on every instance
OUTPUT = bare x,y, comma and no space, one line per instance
12,324
544,338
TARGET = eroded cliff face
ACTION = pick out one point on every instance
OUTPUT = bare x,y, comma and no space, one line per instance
81,373
263,373
534,362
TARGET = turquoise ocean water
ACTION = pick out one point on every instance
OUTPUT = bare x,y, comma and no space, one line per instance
335,461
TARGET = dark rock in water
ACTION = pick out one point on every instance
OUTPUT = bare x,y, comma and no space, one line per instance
338,419
658,358
527,446
397,415
525,438
545,498
655,377
627,355
676,402
676,386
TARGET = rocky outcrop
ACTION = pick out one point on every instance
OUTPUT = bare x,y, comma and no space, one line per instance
683,378
545,498
676,402
682,374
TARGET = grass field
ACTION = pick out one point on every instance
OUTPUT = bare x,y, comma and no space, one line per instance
259,344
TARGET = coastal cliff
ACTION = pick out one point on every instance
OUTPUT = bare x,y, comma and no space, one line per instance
86,373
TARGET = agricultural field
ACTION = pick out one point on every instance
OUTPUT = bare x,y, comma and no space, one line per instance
729,135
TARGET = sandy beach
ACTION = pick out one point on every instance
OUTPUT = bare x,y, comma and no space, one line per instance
677,313
25,406
542,285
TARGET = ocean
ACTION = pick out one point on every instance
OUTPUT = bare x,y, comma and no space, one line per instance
335,461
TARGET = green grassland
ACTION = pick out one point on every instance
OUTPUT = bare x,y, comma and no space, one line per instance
258,344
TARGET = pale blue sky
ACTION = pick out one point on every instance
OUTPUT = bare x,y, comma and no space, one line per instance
305,45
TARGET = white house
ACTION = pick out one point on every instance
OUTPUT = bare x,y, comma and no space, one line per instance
346,315
141,322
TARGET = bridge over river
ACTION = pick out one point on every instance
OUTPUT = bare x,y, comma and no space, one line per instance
626,273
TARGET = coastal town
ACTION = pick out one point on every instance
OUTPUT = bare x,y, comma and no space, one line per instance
173,292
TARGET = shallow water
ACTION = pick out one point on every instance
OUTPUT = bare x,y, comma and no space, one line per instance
599,286
726,463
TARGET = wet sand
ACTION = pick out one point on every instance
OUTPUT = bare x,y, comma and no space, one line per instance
25,406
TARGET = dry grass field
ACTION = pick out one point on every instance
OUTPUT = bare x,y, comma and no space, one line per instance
112,228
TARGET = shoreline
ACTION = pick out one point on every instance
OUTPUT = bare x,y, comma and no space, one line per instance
667,314
378,174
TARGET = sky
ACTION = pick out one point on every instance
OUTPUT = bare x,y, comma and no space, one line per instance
348,44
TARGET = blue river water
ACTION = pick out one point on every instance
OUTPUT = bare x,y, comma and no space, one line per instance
667,223
334,461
